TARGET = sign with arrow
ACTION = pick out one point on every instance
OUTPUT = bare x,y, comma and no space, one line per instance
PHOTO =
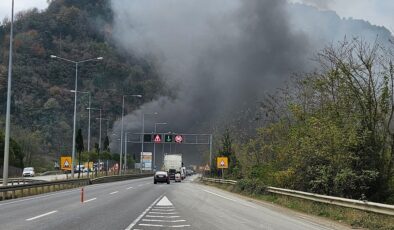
167,138
222,162
65,163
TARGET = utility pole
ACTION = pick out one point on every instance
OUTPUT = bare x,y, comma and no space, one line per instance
8,113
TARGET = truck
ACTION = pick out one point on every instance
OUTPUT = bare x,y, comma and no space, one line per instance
172,164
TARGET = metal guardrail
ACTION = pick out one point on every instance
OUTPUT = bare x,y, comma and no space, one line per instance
18,181
26,189
106,179
339,201
216,180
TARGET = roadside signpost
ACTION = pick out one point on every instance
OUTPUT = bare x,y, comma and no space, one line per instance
65,163
222,163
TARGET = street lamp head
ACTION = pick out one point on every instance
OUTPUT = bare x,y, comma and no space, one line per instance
100,58
53,56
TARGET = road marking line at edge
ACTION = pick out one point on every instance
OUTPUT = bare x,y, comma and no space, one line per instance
228,198
86,201
143,213
114,192
42,215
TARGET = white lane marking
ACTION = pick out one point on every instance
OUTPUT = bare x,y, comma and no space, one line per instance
179,226
152,225
142,214
168,210
228,198
86,201
42,215
168,213
166,221
129,188
113,192
164,202
150,216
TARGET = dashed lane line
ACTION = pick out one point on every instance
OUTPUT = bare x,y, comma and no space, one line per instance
129,188
113,192
42,215
86,201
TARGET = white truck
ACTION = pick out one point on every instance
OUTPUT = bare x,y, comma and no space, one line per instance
172,164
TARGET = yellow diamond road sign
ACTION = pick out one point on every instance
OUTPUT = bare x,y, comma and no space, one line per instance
222,162
65,163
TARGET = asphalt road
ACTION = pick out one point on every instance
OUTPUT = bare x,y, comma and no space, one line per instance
139,204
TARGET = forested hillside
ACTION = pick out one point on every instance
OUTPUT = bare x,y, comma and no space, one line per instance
42,104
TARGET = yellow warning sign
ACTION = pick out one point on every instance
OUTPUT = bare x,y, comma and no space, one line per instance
65,163
222,162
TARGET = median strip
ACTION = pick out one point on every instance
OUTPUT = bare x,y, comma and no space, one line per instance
42,215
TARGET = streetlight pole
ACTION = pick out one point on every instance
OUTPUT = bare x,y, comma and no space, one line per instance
154,144
8,113
75,103
143,132
90,99
125,152
121,129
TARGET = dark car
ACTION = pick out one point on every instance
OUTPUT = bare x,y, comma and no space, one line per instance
171,174
162,177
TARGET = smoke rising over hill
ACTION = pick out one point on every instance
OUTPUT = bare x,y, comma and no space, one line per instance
218,57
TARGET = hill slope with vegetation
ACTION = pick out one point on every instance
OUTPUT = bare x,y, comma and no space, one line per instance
42,104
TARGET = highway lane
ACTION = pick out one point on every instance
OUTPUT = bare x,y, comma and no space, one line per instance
139,204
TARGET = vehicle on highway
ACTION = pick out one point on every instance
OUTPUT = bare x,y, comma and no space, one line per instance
171,174
79,168
178,177
172,164
183,172
29,171
162,177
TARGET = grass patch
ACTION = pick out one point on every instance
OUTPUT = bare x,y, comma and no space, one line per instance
355,218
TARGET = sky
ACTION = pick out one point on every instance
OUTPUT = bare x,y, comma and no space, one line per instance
377,12
5,6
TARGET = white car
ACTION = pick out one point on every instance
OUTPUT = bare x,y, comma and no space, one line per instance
29,171
178,177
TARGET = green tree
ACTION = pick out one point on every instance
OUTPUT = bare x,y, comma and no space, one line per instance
79,147
106,144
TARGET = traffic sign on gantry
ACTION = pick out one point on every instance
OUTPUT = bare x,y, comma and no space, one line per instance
178,138
168,138
157,138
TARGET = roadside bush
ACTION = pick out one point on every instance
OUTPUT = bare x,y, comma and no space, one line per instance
250,186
